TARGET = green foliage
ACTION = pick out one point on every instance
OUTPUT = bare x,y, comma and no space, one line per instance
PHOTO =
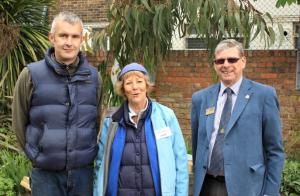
6,186
290,144
8,139
219,19
23,29
141,30
5,114
7,136
188,144
290,185
109,97
282,3
14,166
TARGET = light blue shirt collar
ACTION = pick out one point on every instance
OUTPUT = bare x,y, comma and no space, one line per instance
235,87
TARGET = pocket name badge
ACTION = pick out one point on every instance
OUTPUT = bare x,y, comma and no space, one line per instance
162,133
210,111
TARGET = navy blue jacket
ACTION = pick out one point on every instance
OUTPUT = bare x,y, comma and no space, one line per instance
61,133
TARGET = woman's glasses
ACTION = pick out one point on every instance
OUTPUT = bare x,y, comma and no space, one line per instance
230,60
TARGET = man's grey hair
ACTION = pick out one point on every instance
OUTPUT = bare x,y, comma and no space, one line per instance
68,17
229,43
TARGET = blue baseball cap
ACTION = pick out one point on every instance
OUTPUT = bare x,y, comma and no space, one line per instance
132,67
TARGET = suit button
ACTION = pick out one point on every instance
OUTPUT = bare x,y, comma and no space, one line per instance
204,167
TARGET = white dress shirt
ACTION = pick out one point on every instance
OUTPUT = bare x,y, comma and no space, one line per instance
132,114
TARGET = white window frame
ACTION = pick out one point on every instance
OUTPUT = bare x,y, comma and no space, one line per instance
89,28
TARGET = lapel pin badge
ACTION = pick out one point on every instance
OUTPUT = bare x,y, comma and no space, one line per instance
222,130
247,96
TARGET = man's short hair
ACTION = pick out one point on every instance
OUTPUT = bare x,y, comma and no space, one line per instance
68,17
229,43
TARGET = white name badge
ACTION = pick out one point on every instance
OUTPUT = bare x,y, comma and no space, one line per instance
162,133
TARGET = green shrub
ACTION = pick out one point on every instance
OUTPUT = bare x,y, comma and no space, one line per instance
291,143
6,186
14,166
290,185
188,144
8,139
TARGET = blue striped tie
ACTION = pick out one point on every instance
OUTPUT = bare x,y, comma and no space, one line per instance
217,160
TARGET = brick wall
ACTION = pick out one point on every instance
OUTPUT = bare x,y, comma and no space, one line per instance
182,74
187,71
88,10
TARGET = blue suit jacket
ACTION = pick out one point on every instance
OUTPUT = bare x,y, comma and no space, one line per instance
253,150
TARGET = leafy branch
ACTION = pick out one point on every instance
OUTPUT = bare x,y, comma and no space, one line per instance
141,30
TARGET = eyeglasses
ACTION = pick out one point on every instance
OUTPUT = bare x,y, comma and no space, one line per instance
230,60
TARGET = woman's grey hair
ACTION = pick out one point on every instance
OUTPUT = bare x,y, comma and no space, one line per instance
119,86
229,43
68,17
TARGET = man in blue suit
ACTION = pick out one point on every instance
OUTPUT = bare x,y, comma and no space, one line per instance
236,134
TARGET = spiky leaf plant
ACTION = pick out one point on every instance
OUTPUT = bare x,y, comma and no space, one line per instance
23,29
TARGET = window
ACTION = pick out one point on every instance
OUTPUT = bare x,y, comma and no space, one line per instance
200,43
89,29
195,43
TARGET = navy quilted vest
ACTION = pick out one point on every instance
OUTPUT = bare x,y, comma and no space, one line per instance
61,133
135,177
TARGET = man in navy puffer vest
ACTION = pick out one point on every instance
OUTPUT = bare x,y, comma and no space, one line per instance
55,113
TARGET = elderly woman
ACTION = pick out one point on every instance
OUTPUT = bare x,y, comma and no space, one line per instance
141,147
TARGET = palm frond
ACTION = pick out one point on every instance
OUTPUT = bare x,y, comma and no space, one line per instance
29,21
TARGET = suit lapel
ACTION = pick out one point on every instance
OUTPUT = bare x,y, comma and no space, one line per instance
211,100
243,97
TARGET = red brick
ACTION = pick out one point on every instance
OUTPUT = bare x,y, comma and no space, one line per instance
269,75
184,72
